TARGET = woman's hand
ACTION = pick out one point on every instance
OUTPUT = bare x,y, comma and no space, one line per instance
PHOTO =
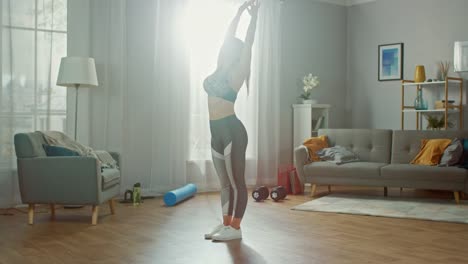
252,7
243,7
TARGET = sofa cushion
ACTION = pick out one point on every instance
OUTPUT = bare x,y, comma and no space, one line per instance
352,170
372,145
407,143
315,144
452,154
53,151
431,151
407,173
110,177
464,158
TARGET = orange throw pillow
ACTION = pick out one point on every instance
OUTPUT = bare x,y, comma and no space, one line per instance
431,151
315,144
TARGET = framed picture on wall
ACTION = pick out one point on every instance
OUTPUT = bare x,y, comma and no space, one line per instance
390,62
460,60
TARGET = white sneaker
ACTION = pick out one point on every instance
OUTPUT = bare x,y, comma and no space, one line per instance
214,231
227,233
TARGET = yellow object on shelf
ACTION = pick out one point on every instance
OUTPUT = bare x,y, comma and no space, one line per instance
420,74
440,105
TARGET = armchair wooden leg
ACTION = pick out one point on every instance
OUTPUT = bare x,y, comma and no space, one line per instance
329,188
312,189
95,214
111,205
457,196
52,211
31,214
385,191
462,195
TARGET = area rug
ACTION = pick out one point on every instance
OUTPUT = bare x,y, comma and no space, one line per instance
423,209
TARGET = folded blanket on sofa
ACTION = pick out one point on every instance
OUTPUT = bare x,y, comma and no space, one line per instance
56,138
337,154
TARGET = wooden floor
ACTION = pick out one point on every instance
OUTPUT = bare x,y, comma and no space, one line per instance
272,233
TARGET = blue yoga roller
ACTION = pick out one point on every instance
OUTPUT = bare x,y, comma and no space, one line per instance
175,196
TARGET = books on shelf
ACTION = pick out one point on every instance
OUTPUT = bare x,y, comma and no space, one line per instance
319,122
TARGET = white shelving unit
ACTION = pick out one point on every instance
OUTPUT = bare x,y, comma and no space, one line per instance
450,82
306,121
430,111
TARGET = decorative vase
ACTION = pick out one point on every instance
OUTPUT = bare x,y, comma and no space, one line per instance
443,76
419,102
419,74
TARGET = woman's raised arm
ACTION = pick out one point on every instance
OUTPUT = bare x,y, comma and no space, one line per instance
231,32
242,73
253,11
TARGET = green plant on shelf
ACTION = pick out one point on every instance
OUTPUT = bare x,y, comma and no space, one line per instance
436,123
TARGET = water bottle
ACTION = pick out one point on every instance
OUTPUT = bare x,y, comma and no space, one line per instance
136,196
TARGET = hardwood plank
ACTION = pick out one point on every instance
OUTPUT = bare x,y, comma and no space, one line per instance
153,233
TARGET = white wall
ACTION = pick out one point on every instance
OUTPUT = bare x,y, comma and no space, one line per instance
314,41
428,29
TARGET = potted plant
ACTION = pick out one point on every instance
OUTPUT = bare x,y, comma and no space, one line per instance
436,123
310,82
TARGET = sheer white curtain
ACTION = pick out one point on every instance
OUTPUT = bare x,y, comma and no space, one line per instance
108,101
205,26
188,36
266,83
34,38
171,97
160,107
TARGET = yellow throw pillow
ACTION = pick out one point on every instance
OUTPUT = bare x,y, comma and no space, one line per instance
431,151
315,144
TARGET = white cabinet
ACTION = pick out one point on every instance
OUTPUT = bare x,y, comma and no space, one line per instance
307,120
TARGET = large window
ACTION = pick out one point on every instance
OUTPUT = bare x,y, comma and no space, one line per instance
34,38
205,30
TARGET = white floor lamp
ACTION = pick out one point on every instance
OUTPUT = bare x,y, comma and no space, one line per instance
77,72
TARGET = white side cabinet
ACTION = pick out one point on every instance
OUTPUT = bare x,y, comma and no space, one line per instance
308,119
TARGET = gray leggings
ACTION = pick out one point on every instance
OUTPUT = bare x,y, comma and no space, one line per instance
228,145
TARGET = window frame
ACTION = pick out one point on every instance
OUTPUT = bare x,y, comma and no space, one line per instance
36,113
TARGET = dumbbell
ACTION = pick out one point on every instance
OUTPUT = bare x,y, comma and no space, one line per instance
278,193
260,193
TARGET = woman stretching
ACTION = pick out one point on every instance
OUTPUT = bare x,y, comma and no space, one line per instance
228,134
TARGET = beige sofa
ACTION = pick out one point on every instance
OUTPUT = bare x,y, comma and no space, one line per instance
385,157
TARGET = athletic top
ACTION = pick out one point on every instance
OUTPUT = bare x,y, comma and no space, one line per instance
217,85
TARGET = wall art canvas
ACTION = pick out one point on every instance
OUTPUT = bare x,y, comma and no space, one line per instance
390,62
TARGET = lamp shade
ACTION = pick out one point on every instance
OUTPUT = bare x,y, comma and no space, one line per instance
77,71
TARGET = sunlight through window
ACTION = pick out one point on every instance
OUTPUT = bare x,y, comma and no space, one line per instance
205,24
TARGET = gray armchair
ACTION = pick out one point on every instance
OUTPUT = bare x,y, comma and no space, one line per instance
62,180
